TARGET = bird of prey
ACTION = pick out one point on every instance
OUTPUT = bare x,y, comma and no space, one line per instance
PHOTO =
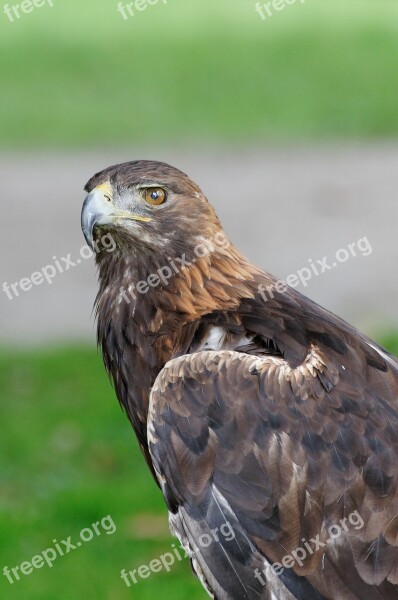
267,415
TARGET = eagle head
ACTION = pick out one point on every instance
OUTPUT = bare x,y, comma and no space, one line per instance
147,204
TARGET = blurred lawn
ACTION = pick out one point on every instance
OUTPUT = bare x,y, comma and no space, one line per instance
68,458
78,75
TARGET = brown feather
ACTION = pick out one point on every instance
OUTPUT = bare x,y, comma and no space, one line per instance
286,428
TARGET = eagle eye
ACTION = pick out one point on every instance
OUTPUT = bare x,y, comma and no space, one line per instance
155,196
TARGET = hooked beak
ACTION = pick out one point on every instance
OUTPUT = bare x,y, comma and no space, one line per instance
98,209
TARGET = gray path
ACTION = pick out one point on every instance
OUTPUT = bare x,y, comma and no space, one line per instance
282,207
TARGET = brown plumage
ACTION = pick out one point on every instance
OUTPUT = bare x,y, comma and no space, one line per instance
274,417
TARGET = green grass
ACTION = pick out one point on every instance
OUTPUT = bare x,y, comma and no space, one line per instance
78,75
69,458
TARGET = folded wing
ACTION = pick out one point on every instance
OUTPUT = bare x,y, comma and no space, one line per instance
281,482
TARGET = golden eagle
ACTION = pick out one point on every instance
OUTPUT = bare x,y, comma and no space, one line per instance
265,413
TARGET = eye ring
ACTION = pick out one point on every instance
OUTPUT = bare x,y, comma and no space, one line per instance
155,196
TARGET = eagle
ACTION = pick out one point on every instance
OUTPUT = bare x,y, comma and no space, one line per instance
262,413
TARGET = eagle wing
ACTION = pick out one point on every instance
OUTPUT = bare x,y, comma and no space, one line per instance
264,465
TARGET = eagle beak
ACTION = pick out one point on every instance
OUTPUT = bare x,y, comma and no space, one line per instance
98,209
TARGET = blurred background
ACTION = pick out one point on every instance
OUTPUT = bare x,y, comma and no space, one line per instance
289,124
